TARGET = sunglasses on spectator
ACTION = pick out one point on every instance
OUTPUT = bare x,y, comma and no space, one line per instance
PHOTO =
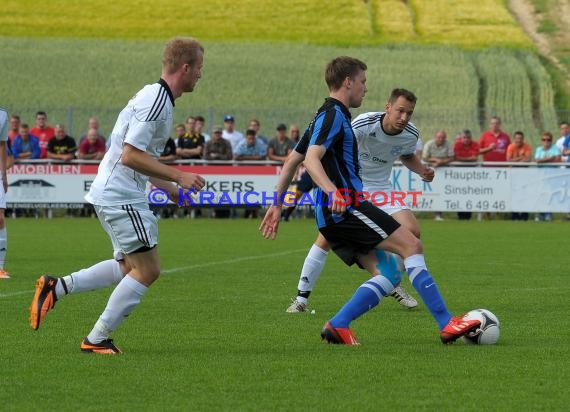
546,140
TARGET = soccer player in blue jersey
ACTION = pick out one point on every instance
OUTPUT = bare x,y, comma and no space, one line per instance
118,196
355,230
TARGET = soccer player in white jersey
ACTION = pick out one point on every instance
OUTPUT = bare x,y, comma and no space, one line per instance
3,160
119,198
382,137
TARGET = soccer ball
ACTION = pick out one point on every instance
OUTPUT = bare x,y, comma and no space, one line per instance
489,331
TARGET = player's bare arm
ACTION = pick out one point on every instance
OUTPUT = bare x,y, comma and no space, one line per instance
270,223
414,163
143,163
313,164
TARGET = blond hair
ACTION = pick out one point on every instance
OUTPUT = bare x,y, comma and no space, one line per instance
179,51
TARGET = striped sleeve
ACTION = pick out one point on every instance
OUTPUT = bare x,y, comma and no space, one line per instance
326,128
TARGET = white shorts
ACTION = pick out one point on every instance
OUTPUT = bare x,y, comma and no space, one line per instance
386,199
131,228
2,197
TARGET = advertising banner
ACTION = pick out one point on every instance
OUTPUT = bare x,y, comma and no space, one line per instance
455,189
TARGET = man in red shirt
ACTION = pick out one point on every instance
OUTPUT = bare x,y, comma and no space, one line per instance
43,132
494,142
465,149
14,129
92,147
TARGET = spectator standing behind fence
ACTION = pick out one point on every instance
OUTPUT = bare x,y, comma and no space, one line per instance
294,133
199,127
465,149
280,146
250,148
93,147
519,151
547,152
26,145
438,152
190,145
565,150
255,124
218,148
43,132
92,123
564,133
14,129
230,133
563,144
61,146
494,142
169,152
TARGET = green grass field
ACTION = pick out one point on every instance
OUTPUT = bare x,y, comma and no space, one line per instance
265,59
212,333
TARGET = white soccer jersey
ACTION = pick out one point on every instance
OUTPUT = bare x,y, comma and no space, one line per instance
145,123
378,150
3,125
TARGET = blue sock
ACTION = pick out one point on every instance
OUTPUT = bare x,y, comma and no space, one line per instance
388,266
427,289
365,298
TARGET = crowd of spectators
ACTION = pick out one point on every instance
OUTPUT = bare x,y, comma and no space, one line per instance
190,141
495,145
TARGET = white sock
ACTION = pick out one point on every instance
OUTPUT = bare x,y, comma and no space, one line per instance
312,268
126,296
3,242
98,276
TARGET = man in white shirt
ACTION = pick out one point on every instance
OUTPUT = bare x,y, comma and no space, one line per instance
118,194
564,133
230,134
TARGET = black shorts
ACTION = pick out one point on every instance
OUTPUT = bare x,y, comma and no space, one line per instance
305,183
361,231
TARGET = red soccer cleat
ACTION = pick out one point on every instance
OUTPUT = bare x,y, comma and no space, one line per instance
343,336
456,328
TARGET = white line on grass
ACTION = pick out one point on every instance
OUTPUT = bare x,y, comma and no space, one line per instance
197,266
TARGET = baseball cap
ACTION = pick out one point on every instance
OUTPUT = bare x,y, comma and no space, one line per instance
228,118
281,126
217,129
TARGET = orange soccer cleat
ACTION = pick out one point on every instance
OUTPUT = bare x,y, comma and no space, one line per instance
44,300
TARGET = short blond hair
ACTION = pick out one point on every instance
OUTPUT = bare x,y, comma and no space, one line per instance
179,51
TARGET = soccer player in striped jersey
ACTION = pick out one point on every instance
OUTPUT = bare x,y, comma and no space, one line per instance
118,194
381,141
356,231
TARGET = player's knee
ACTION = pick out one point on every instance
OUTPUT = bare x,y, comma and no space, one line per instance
416,231
413,246
417,246
125,267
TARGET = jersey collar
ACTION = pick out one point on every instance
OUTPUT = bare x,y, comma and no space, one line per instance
333,101
163,83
